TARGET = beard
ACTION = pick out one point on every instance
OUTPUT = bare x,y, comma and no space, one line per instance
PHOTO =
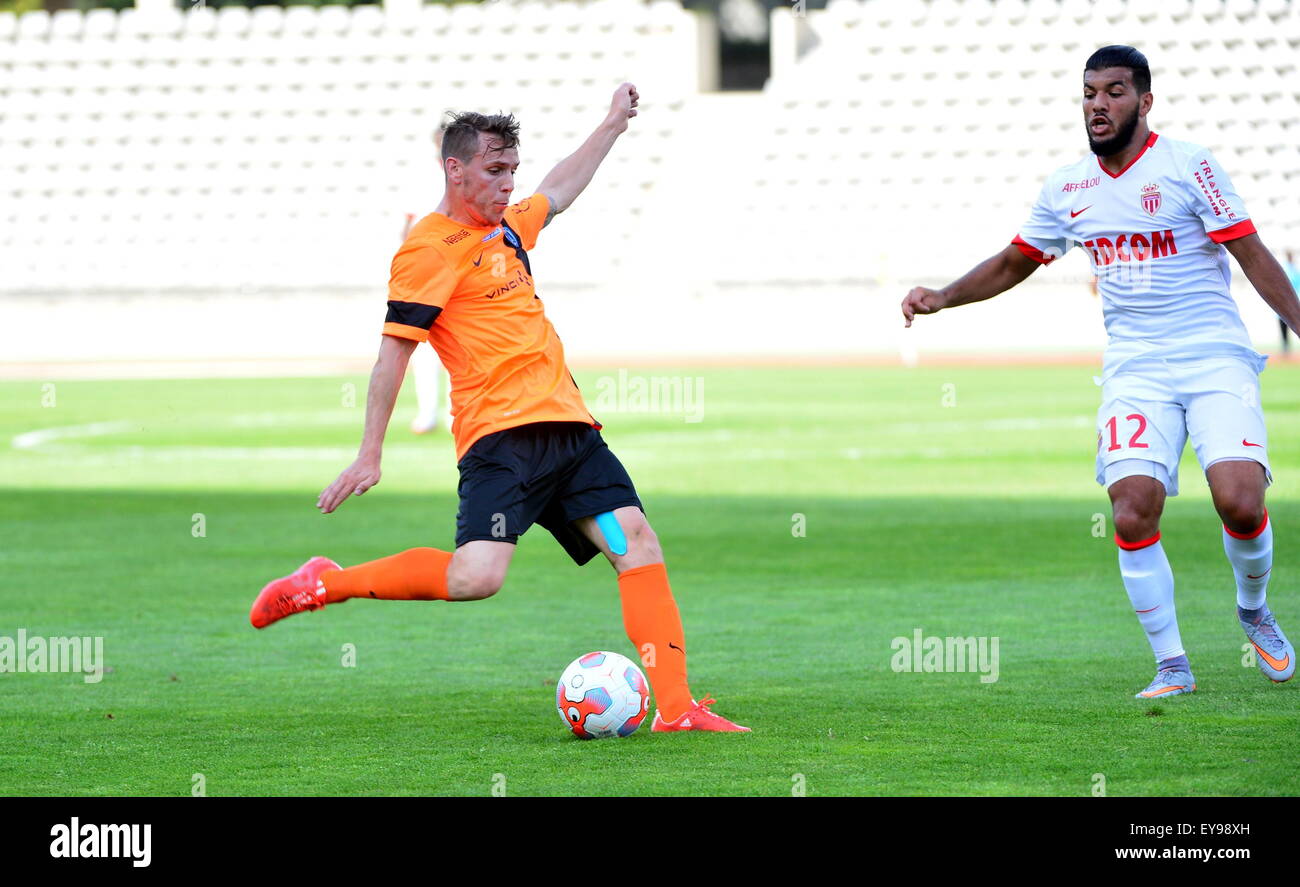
1119,141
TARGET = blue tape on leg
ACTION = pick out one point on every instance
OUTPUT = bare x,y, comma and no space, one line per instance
612,532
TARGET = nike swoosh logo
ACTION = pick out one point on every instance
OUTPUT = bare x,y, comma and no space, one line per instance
675,647
1276,664
1164,690
1261,575
1246,443
479,259
1156,607
1080,212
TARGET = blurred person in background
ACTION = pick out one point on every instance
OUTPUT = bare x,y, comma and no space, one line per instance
432,407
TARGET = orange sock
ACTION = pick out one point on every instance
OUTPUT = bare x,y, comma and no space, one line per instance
654,626
419,574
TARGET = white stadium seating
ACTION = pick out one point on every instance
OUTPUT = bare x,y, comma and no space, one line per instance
283,146
289,144
961,107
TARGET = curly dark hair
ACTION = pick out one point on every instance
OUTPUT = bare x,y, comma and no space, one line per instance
1119,56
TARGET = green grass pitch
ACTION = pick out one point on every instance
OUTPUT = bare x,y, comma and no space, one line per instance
954,500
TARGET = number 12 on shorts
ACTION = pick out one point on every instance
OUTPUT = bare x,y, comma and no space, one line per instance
1135,441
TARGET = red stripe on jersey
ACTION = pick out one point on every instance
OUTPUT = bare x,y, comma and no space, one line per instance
1032,251
1258,530
1243,228
1151,140
1137,546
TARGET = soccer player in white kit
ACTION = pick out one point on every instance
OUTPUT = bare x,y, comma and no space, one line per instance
1155,216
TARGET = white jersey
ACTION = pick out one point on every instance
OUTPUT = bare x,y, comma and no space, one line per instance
1153,233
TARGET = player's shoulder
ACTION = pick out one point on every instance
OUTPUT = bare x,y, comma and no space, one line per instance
1167,144
532,208
436,234
537,201
1177,150
1073,175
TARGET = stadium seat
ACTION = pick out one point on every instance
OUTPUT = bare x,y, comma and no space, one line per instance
333,20
299,21
200,21
268,21
367,19
33,25
162,27
1208,10
435,18
67,24
233,21
1146,12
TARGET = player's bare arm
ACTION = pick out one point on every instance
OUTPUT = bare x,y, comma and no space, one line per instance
993,276
1266,274
571,175
385,381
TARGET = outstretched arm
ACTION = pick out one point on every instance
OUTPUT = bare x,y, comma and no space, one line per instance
994,275
565,182
1266,275
385,381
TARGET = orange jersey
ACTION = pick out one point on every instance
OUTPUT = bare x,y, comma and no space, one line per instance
469,292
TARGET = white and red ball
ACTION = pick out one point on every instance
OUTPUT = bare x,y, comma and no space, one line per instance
602,694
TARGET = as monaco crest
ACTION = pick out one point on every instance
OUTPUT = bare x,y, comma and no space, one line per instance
1151,199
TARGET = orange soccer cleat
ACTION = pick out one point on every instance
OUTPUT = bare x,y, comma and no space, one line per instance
300,590
697,718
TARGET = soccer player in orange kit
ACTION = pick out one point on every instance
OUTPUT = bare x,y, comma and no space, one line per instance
528,450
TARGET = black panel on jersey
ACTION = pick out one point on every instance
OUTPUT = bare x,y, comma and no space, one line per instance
412,314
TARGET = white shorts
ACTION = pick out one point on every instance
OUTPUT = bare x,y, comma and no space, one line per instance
1151,407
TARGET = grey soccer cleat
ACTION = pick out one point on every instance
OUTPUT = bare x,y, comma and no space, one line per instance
1273,652
1170,682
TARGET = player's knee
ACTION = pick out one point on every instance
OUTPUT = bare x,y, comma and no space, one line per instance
474,585
1241,513
642,543
1136,520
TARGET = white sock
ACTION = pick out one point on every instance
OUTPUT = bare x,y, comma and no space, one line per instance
1251,560
1150,585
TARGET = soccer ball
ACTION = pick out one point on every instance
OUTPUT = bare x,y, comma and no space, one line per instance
602,694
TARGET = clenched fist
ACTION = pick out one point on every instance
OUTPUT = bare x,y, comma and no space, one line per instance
921,301
623,107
